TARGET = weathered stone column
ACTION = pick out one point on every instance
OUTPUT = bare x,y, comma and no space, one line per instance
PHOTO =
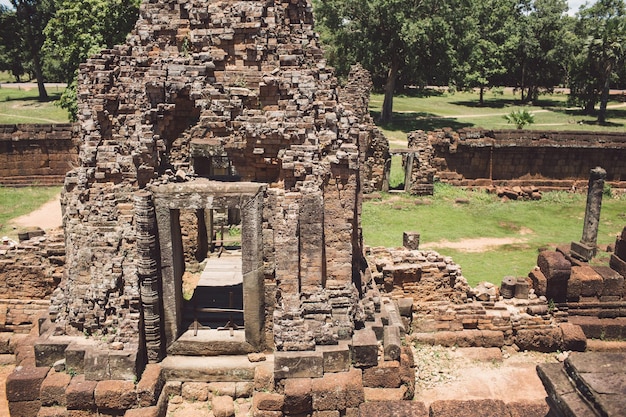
148,272
586,248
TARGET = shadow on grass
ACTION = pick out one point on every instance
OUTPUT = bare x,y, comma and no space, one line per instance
408,122
51,97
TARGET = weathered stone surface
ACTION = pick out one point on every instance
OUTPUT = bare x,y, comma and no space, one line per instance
468,408
223,406
337,391
53,388
24,408
528,409
24,383
364,348
150,385
268,401
115,395
80,394
573,337
542,340
53,411
195,391
298,396
393,408
385,375
557,271
298,365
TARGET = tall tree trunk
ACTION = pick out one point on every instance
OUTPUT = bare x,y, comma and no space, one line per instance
482,95
604,96
43,94
390,86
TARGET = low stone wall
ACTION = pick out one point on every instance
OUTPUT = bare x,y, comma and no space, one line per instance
474,157
37,153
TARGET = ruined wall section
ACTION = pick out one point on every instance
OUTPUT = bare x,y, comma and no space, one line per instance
373,145
513,157
37,153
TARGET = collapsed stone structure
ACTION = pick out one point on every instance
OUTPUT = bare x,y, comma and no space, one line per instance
216,106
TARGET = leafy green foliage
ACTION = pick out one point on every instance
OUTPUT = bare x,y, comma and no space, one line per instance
81,28
601,34
520,118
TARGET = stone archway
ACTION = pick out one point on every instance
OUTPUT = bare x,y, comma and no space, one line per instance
202,194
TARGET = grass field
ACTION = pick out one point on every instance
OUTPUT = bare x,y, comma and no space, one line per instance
22,106
439,109
556,219
15,202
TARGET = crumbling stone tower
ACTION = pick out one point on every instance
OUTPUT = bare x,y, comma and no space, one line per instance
201,86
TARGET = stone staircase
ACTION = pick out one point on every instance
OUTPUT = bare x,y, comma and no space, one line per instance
586,384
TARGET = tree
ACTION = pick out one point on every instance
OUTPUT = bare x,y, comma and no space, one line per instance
602,30
486,45
388,37
32,16
11,56
544,47
81,28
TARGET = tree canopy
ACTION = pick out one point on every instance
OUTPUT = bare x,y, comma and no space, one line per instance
531,45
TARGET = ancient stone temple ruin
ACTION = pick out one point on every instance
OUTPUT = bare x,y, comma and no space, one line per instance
215,116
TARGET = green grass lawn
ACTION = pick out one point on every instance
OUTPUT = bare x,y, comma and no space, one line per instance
23,106
556,219
439,109
15,202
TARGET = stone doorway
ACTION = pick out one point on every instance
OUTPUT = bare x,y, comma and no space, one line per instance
231,284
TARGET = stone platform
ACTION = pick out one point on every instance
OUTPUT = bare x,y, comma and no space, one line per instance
586,384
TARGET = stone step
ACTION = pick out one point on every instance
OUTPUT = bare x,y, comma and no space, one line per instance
212,369
599,379
562,397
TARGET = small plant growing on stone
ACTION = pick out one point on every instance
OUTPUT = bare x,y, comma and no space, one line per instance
71,372
520,118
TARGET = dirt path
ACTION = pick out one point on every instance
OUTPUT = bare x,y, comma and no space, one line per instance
481,244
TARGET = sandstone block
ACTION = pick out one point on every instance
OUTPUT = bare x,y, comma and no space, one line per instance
223,406
364,348
469,408
263,378
613,282
337,391
24,383
24,408
540,283
556,268
385,375
573,337
298,364
385,394
152,411
528,409
54,411
298,396
150,385
53,388
268,401
195,391
80,394
590,282
336,357
115,395
393,408
542,340
327,413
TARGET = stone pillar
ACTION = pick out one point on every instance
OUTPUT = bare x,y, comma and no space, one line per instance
586,248
148,268
411,240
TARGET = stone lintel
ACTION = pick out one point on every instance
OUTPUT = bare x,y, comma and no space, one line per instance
582,251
